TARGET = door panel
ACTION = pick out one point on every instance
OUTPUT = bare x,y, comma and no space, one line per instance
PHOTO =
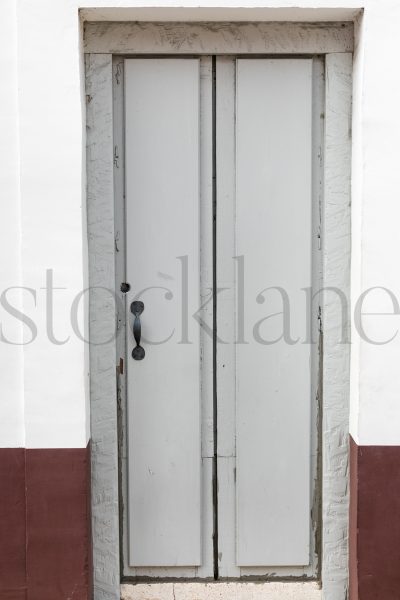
273,379
264,239
163,267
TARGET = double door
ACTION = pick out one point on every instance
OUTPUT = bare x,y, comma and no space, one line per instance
221,209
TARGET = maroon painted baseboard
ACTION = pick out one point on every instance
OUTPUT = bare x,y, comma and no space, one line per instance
374,522
45,537
12,524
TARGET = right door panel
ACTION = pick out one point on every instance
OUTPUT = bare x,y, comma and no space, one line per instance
265,262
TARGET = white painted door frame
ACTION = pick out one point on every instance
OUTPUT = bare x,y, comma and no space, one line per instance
101,42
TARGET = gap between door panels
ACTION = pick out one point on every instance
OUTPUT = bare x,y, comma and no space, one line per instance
214,253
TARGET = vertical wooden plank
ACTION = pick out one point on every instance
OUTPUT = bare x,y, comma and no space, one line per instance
273,234
226,318
336,244
163,267
205,314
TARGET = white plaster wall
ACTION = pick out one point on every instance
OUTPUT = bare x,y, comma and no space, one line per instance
376,217
356,224
51,172
42,181
375,374
11,354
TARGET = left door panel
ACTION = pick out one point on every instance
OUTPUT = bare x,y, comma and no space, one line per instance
163,267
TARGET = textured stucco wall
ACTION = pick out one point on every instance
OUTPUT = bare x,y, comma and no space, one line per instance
375,212
12,432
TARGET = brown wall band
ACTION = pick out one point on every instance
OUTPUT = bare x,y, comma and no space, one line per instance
375,522
45,539
12,524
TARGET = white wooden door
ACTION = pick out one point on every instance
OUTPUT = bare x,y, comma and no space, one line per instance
219,157
166,398
265,220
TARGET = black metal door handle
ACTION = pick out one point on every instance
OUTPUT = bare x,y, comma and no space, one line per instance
137,308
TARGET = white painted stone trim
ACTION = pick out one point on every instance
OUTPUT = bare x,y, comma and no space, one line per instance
221,591
218,38
336,248
104,428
